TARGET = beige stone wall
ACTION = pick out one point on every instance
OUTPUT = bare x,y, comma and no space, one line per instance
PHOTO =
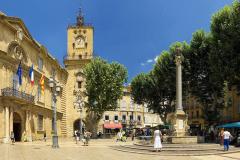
9,61
75,31
74,65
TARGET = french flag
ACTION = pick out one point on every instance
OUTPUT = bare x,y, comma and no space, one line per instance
31,75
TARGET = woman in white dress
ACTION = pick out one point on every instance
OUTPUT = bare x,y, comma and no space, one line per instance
157,140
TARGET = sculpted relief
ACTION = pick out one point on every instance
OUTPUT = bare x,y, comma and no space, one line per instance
17,51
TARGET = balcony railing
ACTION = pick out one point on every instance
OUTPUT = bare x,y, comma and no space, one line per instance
74,25
12,92
124,121
77,57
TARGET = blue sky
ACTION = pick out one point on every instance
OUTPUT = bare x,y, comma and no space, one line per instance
132,32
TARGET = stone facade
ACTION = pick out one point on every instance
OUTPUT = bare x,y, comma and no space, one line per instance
129,115
28,112
24,109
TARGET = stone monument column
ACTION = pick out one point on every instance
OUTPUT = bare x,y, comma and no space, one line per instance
178,119
180,116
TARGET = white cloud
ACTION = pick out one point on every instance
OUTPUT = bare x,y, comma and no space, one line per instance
142,64
149,61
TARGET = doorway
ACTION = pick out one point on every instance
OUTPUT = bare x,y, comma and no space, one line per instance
17,127
77,124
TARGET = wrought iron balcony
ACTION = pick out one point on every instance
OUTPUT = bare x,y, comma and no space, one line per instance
12,92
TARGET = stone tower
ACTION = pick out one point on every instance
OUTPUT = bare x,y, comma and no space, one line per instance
79,53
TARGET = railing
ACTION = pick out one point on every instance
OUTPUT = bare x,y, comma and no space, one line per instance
77,57
124,121
132,122
74,25
12,92
139,123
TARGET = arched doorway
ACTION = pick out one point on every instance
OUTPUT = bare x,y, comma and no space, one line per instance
17,127
77,124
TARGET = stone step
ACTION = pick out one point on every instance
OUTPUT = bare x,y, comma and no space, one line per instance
172,148
175,152
182,145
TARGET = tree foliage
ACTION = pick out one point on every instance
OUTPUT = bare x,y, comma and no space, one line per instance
206,80
104,86
157,89
225,28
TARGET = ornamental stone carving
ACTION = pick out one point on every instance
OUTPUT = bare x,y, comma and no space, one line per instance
19,36
17,51
178,60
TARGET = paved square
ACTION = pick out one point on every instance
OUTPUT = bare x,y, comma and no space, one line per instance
97,150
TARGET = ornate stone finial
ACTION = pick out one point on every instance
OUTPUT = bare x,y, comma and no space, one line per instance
80,18
178,57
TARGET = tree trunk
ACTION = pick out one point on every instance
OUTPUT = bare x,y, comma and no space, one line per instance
92,120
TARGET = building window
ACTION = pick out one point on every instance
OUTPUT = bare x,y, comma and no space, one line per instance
79,84
116,118
39,93
197,114
131,117
15,82
124,118
40,122
40,63
192,115
106,117
139,118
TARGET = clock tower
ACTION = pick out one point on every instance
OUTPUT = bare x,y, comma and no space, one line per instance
79,53
79,42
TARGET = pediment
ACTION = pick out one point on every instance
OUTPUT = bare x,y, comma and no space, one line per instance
19,25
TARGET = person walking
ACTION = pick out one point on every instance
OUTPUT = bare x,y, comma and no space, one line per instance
221,136
119,136
87,136
75,136
133,135
157,140
12,137
45,136
226,136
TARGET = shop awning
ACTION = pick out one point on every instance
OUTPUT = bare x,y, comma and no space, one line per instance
230,125
112,125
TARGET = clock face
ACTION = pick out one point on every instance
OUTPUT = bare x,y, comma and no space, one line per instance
79,42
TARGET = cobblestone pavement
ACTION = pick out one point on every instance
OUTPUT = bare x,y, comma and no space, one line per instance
97,150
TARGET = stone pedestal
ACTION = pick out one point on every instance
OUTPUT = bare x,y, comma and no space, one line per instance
178,120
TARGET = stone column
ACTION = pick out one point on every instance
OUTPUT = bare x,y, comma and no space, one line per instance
179,83
11,119
28,126
7,133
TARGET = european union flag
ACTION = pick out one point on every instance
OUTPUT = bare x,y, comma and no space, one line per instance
19,73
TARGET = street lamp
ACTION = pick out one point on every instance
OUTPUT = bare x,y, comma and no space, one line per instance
55,88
